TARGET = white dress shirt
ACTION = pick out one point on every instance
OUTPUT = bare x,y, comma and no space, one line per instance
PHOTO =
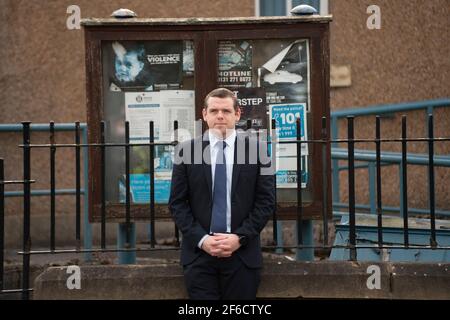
229,158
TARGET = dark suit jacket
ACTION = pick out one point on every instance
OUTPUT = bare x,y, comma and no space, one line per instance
252,199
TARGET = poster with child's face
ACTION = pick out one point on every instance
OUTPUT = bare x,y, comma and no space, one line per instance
143,65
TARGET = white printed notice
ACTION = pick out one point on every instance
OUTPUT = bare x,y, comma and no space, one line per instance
163,108
287,172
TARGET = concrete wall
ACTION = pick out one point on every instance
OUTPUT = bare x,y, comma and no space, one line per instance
281,280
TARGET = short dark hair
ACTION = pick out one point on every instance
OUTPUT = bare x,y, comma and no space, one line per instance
222,93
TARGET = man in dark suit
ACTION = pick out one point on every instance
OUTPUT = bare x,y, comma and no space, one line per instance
221,198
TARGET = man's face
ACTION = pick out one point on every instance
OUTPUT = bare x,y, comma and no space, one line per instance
220,115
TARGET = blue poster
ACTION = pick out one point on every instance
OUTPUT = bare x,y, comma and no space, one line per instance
140,189
285,116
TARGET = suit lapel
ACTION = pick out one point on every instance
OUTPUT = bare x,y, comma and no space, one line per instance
207,167
236,169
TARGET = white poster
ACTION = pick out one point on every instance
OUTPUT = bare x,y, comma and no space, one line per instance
177,105
163,108
287,172
141,108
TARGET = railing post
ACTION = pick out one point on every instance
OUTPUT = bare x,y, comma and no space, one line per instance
400,173
124,242
103,183
378,162
334,162
429,111
128,183
273,153
299,225
372,200
307,232
127,231
2,221
279,238
404,179
77,186
152,186
177,232
351,187
52,186
26,211
431,180
87,228
277,225
324,181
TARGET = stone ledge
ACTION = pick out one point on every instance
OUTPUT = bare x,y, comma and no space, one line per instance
282,280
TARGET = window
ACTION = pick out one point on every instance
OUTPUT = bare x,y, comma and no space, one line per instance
283,8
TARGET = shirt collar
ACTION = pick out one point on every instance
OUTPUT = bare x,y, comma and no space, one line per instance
229,140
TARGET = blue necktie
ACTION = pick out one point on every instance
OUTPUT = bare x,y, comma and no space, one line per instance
219,209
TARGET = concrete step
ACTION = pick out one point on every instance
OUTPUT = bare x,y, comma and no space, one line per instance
280,280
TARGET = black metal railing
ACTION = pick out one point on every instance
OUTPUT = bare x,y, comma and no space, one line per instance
26,235
102,146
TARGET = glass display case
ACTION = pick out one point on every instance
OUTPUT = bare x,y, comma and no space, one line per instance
142,70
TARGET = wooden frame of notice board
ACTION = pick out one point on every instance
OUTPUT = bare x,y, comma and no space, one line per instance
286,58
